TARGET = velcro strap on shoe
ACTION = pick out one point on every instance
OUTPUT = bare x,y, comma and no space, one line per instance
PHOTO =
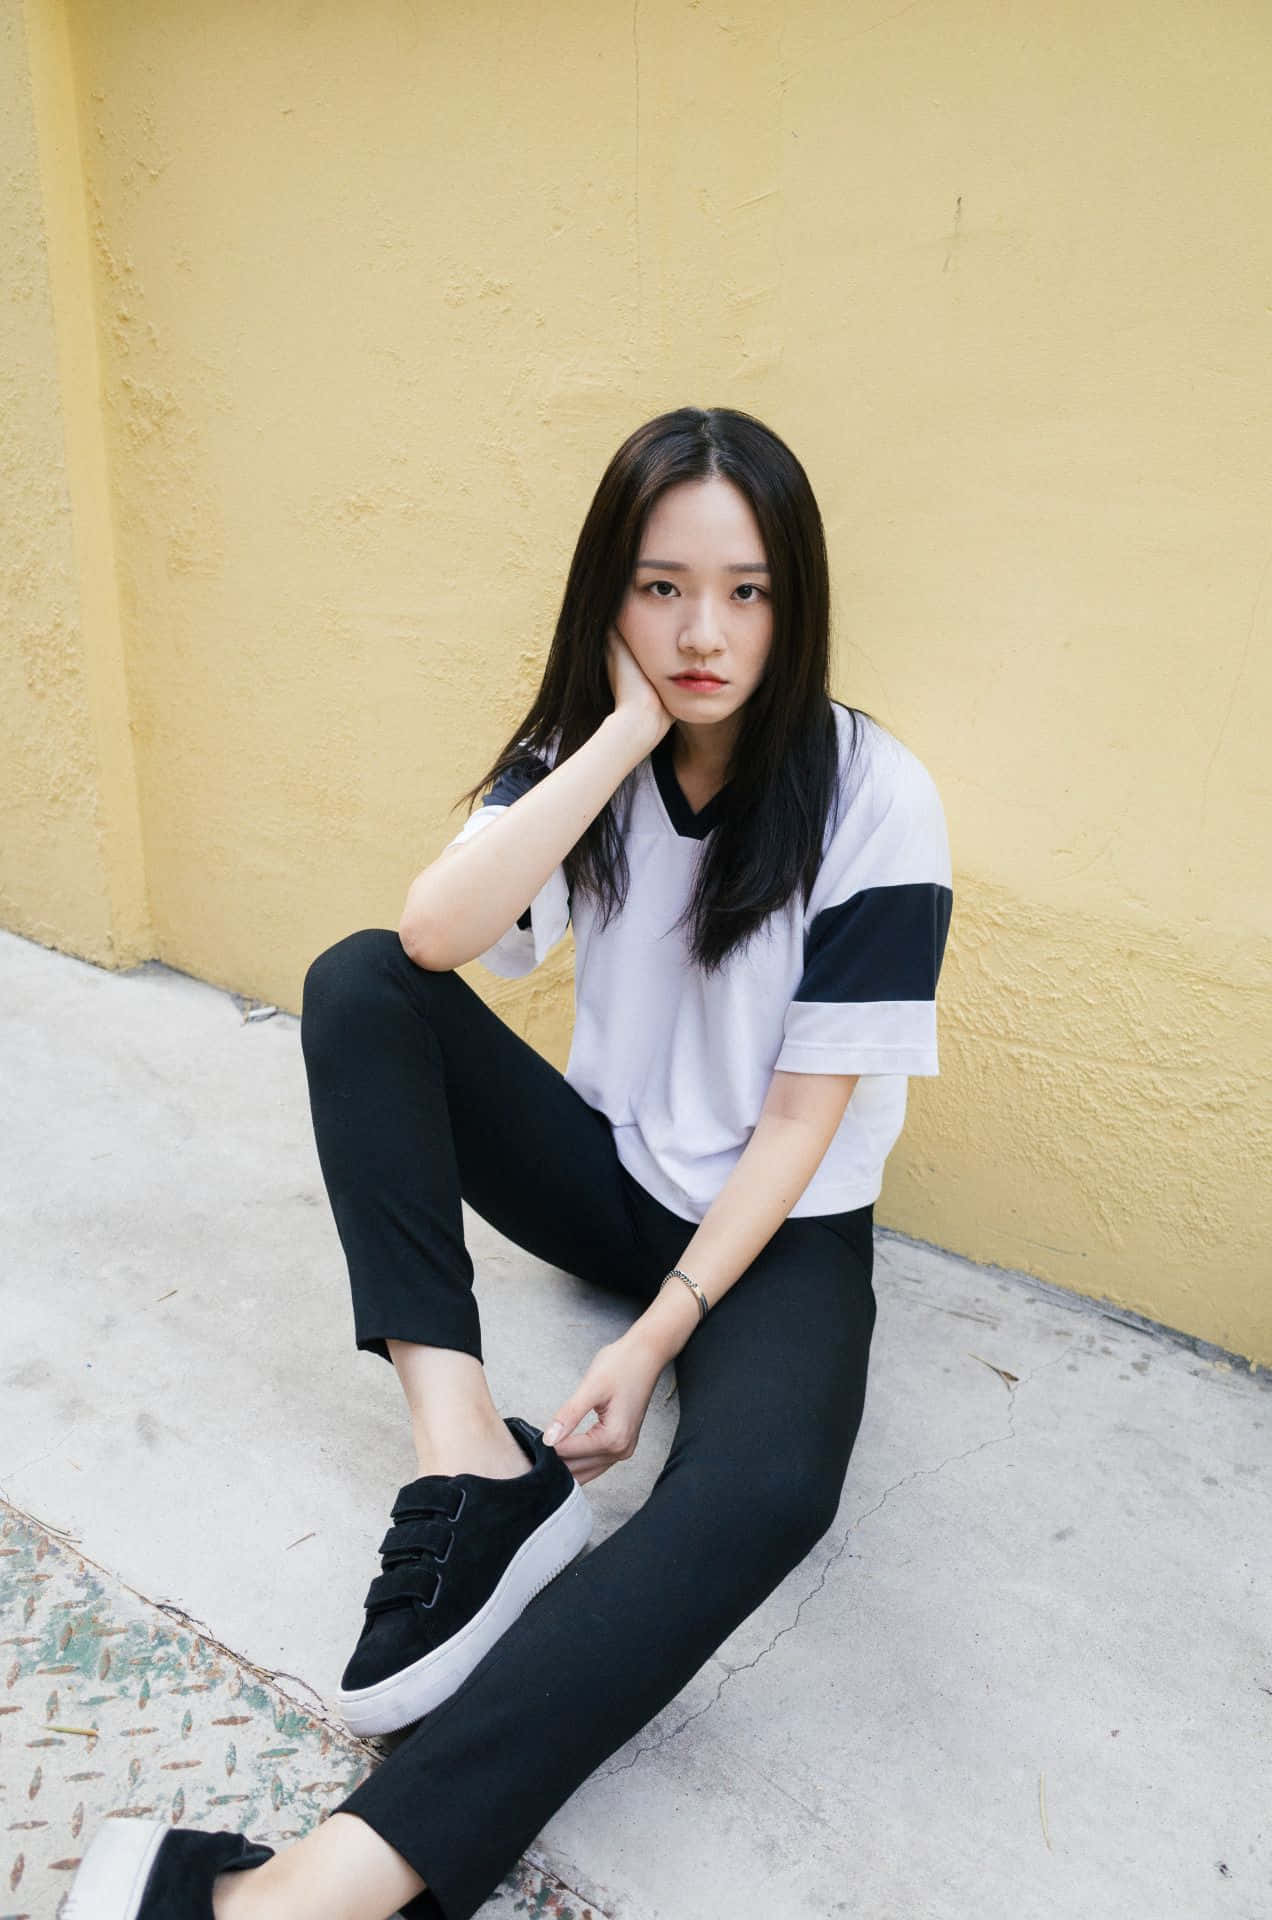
412,1580
449,1504
408,1539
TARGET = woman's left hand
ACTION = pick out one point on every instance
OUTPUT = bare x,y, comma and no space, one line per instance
618,1384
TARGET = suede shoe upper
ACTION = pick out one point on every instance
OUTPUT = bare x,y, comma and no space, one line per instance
178,1885
452,1539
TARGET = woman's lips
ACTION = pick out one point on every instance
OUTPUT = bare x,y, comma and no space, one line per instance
697,683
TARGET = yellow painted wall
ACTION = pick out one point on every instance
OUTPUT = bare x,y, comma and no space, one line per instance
323,322
71,866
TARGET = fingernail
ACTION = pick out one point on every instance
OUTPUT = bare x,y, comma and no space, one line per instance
553,1434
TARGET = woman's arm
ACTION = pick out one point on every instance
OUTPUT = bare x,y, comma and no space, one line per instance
797,1123
471,894
800,1114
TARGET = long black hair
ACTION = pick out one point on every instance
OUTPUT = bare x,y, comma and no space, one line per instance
782,777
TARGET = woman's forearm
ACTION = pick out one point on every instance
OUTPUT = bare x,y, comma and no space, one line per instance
771,1173
471,894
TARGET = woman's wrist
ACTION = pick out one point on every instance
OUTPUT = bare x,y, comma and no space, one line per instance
639,735
667,1322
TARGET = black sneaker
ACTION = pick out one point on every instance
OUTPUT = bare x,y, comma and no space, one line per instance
465,1555
147,1870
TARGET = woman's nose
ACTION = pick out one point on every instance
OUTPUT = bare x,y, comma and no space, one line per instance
703,626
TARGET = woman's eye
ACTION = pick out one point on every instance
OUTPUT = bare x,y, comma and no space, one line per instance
747,587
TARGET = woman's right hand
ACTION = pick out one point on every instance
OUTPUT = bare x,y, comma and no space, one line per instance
634,692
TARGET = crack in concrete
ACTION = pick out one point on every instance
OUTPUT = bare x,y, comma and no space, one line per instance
25,1466
916,1473
541,1863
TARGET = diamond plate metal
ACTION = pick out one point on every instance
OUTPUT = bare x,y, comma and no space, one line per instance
109,1708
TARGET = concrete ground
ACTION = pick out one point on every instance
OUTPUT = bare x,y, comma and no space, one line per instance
1027,1673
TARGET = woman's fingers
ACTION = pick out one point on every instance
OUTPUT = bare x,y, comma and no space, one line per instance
596,1442
593,1462
591,1456
631,685
584,1474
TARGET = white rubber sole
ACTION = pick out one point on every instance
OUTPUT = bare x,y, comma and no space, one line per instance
417,1689
110,1883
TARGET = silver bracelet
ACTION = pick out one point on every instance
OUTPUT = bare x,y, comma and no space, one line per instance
677,1272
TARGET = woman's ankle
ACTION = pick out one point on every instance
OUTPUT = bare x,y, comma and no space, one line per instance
454,1422
484,1447
234,1897
340,1870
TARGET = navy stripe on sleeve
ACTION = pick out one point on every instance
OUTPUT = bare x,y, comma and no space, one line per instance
885,943
514,781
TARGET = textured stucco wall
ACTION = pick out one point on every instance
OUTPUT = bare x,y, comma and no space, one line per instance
71,869
376,293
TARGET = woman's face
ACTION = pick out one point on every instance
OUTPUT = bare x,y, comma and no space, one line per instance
700,598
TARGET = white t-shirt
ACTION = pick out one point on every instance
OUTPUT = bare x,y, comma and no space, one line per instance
680,1062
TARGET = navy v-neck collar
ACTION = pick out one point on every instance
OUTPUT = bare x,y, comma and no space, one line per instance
687,823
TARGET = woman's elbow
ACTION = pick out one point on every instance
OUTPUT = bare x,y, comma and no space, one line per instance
419,946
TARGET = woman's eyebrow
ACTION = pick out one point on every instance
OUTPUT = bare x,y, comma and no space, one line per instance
678,566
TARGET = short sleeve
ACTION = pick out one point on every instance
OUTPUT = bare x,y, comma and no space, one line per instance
875,929
545,920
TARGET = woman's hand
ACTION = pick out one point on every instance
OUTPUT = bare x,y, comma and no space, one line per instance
618,1384
634,692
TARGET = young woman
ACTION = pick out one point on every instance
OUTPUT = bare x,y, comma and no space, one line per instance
758,880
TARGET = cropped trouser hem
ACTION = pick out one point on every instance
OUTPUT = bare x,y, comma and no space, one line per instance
448,1323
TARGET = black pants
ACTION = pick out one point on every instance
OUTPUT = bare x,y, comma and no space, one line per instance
421,1094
